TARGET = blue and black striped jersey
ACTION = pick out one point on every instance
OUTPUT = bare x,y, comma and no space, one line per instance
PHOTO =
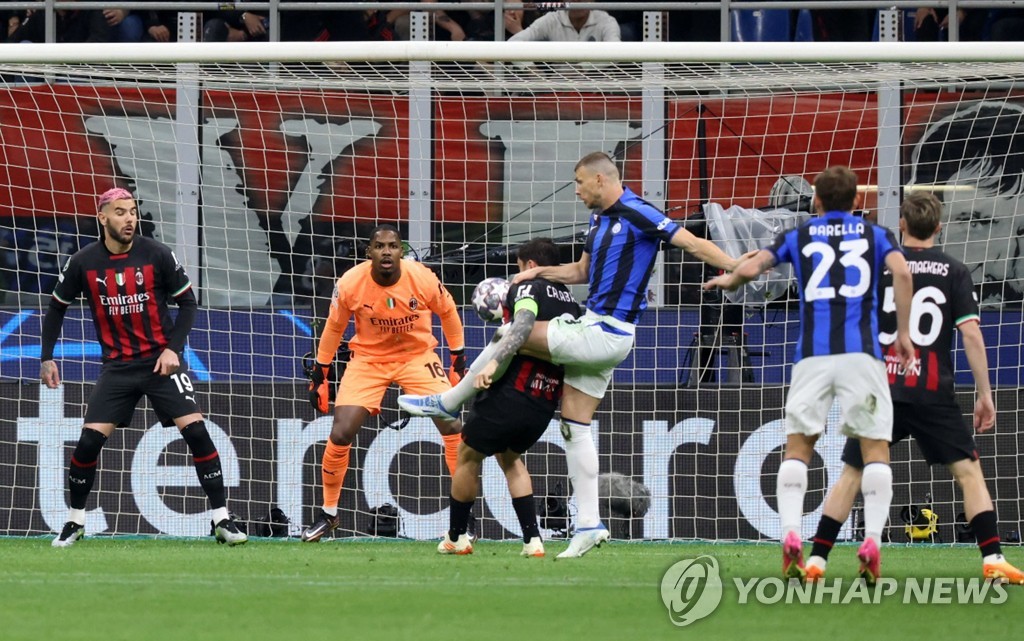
838,260
623,244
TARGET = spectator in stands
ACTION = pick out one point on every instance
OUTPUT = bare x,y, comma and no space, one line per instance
1007,25
932,24
294,26
447,26
481,23
572,25
159,26
76,25
235,26
374,25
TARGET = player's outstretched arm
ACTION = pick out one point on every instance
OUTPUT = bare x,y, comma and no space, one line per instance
568,274
974,348
707,251
747,271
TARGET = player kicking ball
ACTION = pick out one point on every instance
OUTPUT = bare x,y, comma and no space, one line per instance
924,403
513,410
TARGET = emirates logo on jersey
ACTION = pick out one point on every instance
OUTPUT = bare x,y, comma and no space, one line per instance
413,303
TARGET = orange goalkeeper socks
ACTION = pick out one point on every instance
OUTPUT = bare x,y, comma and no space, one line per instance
451,451
335,465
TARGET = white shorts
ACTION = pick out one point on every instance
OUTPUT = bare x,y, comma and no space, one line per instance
589,348
859,382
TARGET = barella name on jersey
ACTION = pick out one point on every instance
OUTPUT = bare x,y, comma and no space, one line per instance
124,303
836,230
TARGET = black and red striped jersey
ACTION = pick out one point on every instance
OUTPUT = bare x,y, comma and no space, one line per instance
944,299
529,379
128,295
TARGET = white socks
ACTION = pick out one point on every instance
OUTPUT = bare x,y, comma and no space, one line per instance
458,395
581,458
790,490
876,486
220,514
76,516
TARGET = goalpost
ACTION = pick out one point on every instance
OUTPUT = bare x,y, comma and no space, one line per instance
264,165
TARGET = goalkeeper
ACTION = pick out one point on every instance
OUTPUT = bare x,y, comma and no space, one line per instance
393,302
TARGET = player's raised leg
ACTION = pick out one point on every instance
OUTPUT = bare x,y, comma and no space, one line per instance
446,405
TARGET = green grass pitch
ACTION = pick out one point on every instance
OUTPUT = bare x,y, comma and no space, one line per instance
154,589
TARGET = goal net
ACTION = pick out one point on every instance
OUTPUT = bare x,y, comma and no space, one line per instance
263,167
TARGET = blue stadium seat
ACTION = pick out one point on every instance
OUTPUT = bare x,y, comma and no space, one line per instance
760,25
804,27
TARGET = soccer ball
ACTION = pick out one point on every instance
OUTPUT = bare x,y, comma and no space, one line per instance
489,299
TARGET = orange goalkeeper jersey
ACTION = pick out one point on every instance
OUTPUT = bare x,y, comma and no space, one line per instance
393,322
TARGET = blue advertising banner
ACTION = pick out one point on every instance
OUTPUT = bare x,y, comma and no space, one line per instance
264,345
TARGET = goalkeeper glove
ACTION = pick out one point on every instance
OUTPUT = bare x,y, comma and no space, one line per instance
321,392
458,368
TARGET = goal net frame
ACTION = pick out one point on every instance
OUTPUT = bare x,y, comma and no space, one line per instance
691,415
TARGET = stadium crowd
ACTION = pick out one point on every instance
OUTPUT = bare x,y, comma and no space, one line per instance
548,21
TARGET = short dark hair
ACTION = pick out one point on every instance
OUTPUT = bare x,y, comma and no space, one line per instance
599,162
922,212
836,188
384,228
542,251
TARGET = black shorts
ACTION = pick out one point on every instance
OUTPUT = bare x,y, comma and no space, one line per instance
505,422
121,385
940,431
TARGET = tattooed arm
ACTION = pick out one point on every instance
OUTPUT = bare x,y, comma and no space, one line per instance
514,338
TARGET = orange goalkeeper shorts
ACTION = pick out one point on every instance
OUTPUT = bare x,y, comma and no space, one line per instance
364,384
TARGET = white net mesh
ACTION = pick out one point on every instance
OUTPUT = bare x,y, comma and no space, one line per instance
265,173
